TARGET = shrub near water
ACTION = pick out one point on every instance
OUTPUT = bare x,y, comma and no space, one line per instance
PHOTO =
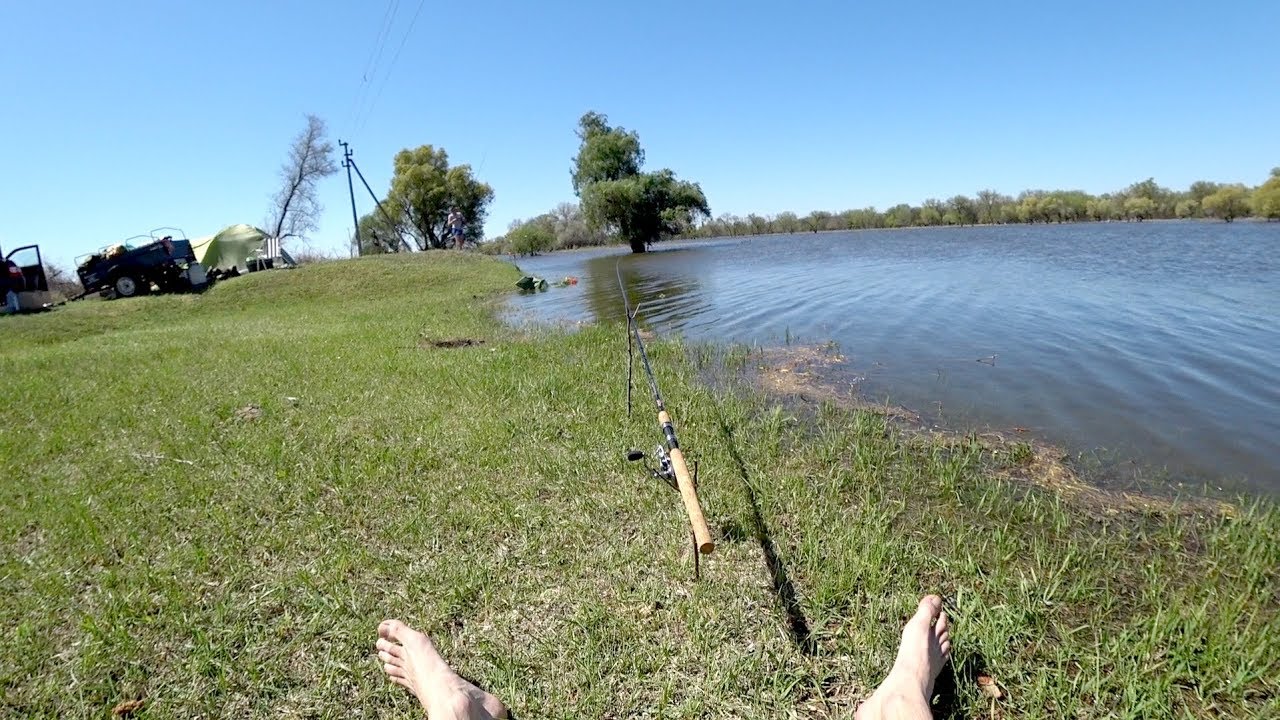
210,501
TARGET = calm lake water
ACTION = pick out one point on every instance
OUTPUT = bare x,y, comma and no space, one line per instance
1150,350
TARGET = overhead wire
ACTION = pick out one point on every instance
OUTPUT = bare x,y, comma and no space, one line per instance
391,68
375,57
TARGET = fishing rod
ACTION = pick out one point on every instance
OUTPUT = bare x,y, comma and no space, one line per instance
672,467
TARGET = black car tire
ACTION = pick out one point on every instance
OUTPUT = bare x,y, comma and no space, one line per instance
127,286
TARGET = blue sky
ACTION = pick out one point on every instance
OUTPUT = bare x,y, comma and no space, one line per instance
121,117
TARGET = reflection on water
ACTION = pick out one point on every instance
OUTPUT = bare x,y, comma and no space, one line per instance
667,290
1153,342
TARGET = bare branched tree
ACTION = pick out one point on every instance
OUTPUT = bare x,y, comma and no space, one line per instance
295,209
61,281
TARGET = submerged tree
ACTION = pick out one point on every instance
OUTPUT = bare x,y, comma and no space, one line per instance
1139,208
1266,199
640,207
1228,202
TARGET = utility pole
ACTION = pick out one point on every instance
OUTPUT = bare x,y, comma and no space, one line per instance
346,163
352,164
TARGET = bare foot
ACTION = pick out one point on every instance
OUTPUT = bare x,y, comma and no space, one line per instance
925,649
410,659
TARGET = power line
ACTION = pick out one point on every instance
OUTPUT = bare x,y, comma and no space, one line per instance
392,66
384,34
375,57
371,64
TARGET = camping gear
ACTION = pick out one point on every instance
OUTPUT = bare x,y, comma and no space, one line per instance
672,468
529,282
241,248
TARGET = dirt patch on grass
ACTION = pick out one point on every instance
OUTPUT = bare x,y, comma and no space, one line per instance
30,540
427,343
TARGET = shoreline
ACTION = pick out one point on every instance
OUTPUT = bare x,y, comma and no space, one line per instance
1072,355
791,372
682,238
795,374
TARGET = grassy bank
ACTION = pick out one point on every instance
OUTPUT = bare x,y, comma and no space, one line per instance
210,501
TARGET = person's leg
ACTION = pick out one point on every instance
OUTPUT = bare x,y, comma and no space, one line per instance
410,660
11,305
925,649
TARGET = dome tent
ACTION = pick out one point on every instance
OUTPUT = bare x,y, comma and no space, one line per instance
232,248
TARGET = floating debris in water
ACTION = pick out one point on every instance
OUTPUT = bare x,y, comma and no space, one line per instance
531,283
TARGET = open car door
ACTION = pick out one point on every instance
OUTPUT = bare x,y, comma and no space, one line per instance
28,260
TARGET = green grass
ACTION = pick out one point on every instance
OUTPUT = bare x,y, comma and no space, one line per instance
481,493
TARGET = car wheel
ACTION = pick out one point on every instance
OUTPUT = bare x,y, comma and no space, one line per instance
127,286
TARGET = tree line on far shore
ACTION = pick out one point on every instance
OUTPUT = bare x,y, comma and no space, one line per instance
566,227
620,203
1145,200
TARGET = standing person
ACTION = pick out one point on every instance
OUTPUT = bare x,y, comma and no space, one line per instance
454,223
11,281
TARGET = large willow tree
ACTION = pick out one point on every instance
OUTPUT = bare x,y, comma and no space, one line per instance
641,207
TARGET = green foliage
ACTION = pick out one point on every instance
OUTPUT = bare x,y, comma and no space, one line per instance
572,229
532,237
864,219
424,187
605,153
1188,208
1074,205
930,216
962,210
988,204
1139,208
1032,207
1201,189
609,155
899,216
1104,208
1139,201
378,233
1228,202
1266,199
786,222
640,207
1059,206
567,226
817,220
931,212
1162,199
